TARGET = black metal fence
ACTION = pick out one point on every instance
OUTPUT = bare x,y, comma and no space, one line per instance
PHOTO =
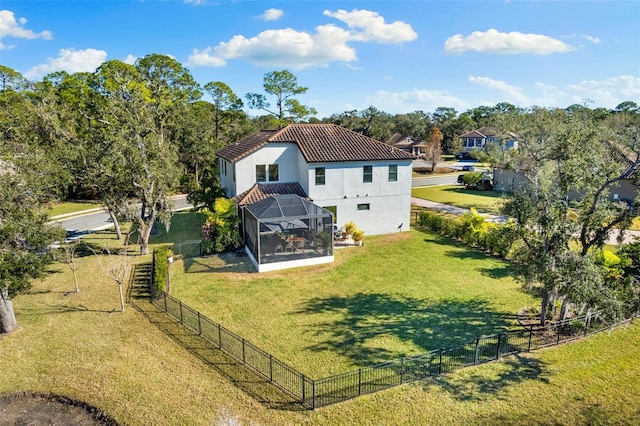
313,393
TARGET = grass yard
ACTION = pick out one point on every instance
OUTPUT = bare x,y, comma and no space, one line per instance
185,233
141,369
71,207
400,294
455,195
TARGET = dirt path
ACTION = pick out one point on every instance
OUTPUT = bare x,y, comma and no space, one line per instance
41,409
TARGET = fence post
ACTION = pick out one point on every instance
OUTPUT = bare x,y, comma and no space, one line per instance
270,368
440,363
558,328
530,336
180,302
585,325
303,386
401,369
498,348
475,354
313,394
219,337
199,324
359,381
165,303
243,353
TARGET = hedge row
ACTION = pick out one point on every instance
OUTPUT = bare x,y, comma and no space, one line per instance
161,269
473,229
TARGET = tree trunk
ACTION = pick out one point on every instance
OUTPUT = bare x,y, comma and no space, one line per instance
75,278
121,297
144,231
564,310
543,306
116,224
7,316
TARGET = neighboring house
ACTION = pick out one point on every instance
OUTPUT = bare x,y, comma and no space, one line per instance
508,180
407,143
478,139
354,177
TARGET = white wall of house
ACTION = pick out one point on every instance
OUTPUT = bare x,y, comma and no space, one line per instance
377,207
286,156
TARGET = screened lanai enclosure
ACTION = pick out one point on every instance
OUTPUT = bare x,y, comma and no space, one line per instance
286,231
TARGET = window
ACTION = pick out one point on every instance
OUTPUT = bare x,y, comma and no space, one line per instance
364,206
393,172
367,174
273,172
320,175
261,173
224,164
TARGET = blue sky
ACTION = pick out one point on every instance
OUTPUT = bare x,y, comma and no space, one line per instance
399,56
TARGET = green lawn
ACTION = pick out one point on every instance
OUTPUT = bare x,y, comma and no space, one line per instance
185,233
401,294
484,201
140,368
67,207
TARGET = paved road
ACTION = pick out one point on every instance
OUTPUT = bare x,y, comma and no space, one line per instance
98,219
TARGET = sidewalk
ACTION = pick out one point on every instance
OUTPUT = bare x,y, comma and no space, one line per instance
629,236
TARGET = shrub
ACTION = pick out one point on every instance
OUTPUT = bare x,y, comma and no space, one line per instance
161,269
349,227
220,231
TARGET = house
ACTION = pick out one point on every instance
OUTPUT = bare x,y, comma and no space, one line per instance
331,172
478,139
507,179
407,143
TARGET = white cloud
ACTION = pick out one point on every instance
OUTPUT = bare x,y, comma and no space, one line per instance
592,39
496,42
130,59
415,100
285,47
300,49
10,27
71,61
609,92
509,93
196,2
370,26
272,14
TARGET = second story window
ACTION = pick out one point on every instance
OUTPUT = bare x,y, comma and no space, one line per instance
320,175
367,174
273,172
393,172
261,173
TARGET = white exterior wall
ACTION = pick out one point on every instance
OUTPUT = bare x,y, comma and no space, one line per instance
226,179
389,202
286,156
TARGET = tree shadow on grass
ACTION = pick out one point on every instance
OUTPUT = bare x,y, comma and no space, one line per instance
483,383
365,327
225,262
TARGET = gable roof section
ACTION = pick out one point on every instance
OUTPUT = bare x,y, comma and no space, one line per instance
482,132
262,191
318,143
239,150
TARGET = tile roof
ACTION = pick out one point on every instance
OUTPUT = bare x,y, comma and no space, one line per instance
318,143
262,191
